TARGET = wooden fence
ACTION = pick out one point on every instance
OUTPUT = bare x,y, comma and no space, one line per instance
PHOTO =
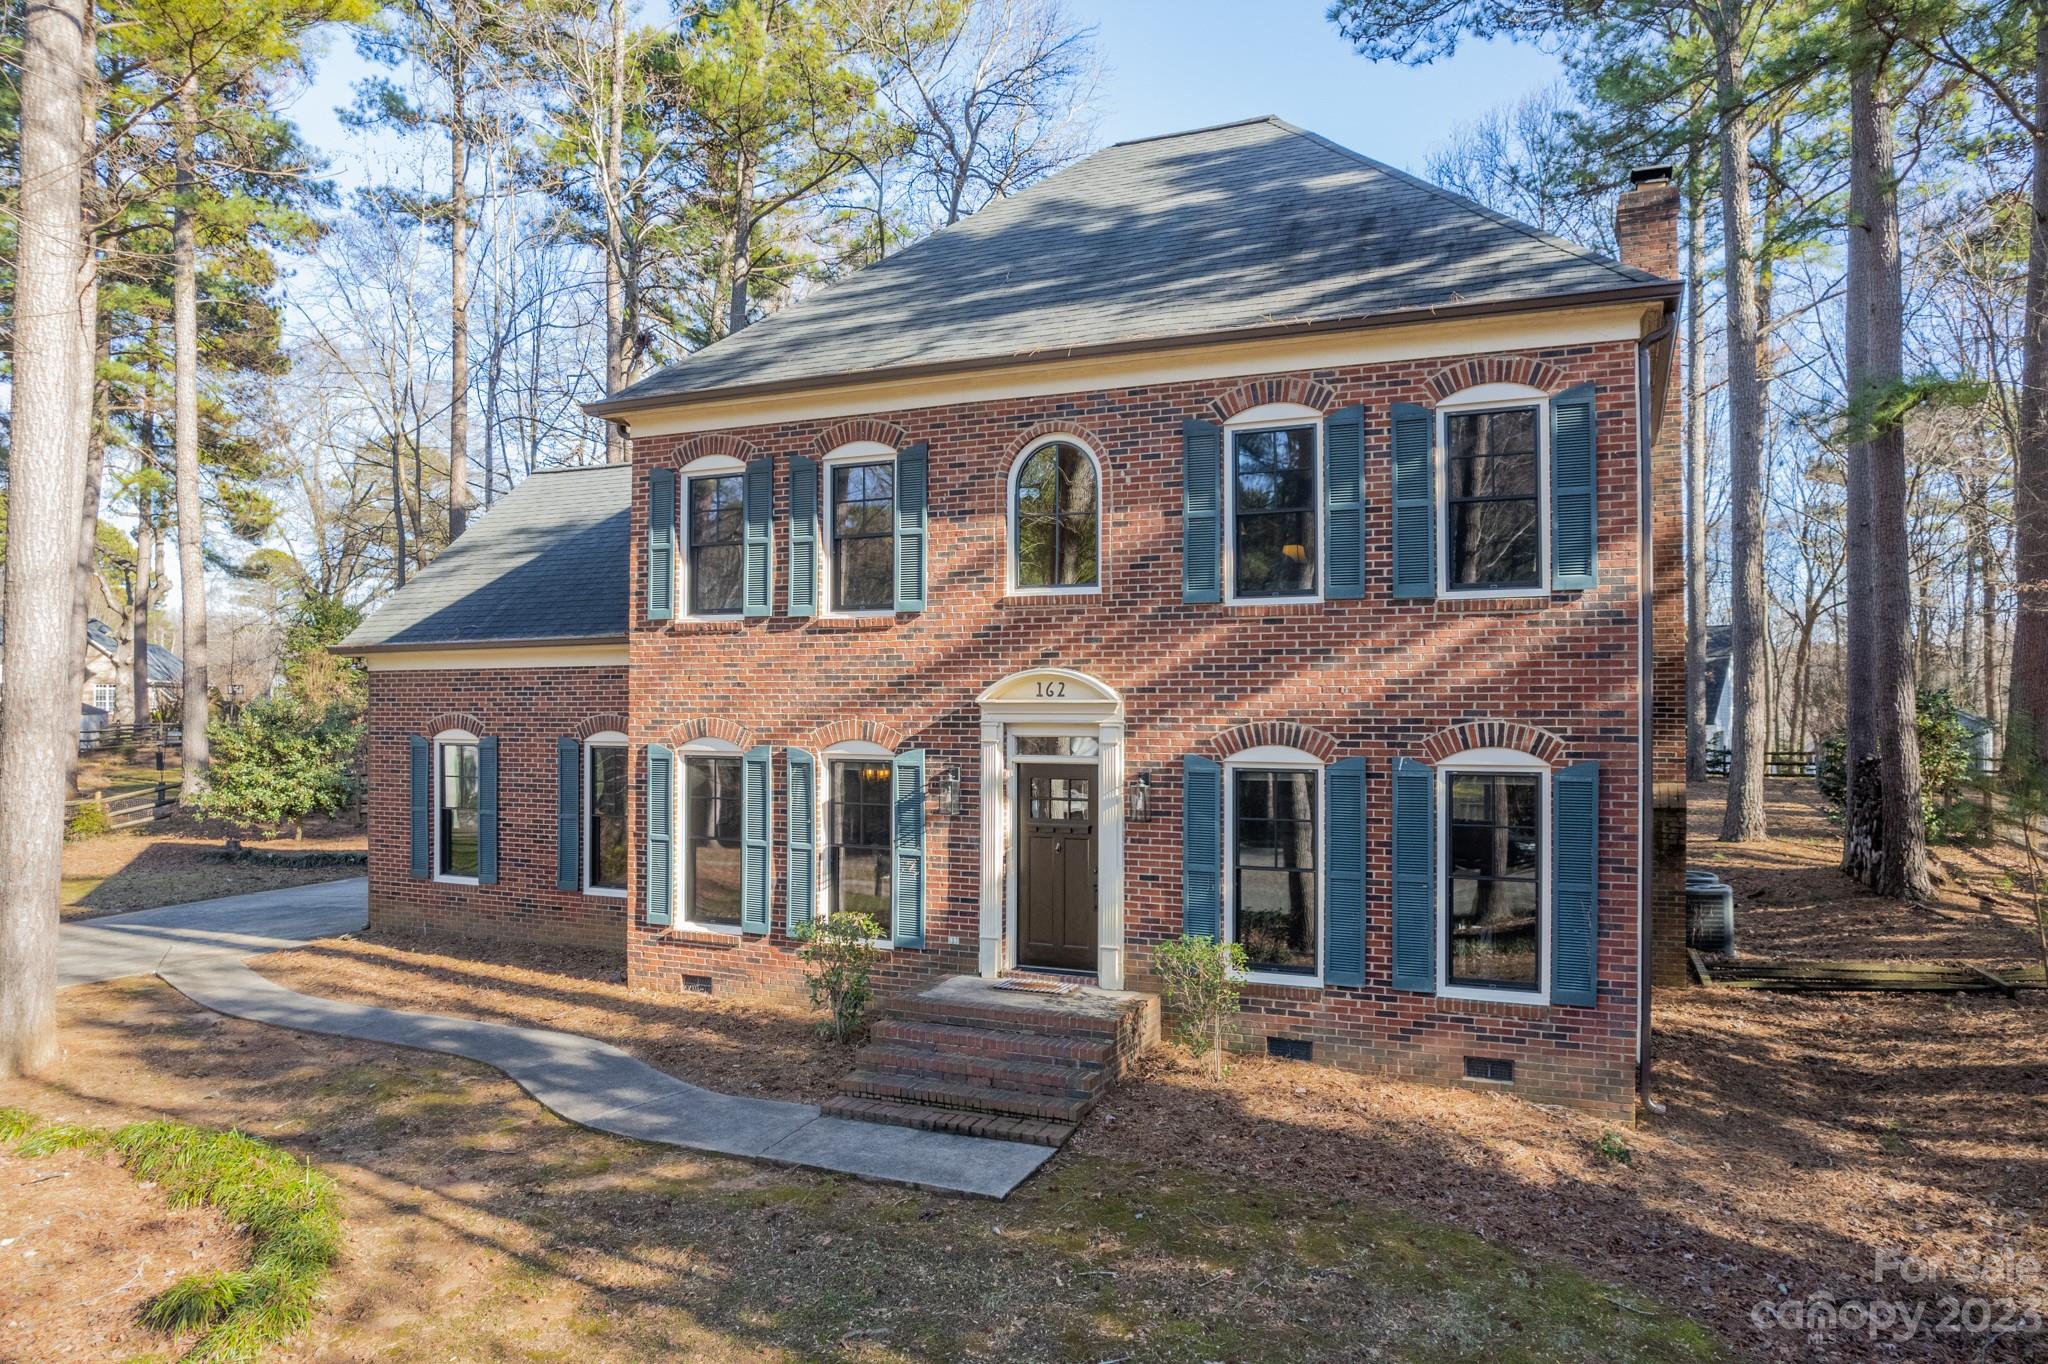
129,738
127,809
1778,762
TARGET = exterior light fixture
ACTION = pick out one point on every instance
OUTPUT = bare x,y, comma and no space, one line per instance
1138,798
944,789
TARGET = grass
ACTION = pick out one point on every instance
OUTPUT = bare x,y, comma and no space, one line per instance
290,1212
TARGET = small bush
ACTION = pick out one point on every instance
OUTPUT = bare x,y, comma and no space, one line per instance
279,762
1200,978
1947,768
1612,1147
291,1212
838,956
89,820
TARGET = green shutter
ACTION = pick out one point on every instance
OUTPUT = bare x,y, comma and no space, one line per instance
757,586
802,823
661,544
907,864
1201,511
661,814
487,811
422,808
568,814
1575,884
1414,876
1344,503
1414,437
803,536
913,485
1201,848
1573,496
1344,803
757,828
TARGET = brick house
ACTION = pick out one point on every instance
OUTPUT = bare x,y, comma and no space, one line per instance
1229,535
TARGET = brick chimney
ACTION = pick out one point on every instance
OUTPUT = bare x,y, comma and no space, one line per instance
1646,221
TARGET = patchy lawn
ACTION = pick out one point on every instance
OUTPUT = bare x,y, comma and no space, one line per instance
479,1227
175,860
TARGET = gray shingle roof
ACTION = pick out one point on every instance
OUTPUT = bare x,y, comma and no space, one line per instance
549,562
1246,226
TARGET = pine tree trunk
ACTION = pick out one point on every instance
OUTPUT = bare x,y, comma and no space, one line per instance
185,444
1859,733
1874,210
37,713
458,300
615,367
91,414
1744,816
145,592
2027,710
1696,718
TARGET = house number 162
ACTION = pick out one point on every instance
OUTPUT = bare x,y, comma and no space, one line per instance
1052,689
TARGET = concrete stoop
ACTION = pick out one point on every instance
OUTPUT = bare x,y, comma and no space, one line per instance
964,1056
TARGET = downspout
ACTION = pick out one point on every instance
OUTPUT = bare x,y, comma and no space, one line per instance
1646,656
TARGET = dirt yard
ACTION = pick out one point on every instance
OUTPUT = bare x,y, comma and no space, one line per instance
1288,1212
175,860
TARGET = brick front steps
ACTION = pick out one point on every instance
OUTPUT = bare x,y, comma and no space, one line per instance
962,1056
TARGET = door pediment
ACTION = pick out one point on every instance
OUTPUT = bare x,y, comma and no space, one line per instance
1051,695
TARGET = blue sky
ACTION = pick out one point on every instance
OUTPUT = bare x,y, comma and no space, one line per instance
1178,64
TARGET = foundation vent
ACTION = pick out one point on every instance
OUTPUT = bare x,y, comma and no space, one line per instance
1290,1048
697,985
1490,1068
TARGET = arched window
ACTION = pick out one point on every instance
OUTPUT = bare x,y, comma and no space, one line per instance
1055,519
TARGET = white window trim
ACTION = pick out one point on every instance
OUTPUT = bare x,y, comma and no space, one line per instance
609,738
696,748
854,452
1267,417
1269,757
1514,763
441,741
704,466
1013,547
1489,398
852,750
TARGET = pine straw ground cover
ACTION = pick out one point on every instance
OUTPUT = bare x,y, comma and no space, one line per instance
176,860
1806,1135
289,1214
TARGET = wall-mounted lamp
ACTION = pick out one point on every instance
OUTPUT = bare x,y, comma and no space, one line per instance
943,787
1138,797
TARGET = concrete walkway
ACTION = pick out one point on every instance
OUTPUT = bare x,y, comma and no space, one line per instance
201,950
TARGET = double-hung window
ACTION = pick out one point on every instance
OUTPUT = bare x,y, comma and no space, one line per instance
1492,904
1274,862
714,534
859,852
457,787
604,815
1273,486
1493,489
711,840
861,516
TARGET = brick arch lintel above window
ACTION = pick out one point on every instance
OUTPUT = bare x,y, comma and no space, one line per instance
717,443
605,722
1495,369
1072,431
859,429
455,719
1273,734
708,727
1259,392
854,730
1537,743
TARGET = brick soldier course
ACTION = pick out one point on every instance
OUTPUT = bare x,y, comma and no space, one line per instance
1567,676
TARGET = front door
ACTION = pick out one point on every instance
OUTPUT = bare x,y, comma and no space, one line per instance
1056,866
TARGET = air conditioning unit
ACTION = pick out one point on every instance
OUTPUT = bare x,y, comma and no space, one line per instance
1709,914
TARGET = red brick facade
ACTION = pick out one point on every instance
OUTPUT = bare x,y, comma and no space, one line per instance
1376,678
526,710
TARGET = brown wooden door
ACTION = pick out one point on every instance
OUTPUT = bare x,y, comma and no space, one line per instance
1056,866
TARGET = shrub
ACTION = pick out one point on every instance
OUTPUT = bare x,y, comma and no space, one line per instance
838,956
279,762
89,820
1612,1147
1947,768
1200,977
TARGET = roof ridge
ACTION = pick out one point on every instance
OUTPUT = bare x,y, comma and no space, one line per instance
1274,119
1601,259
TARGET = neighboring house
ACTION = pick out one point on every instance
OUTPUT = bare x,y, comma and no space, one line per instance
1229,535
1720,658
1983,736
110,683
